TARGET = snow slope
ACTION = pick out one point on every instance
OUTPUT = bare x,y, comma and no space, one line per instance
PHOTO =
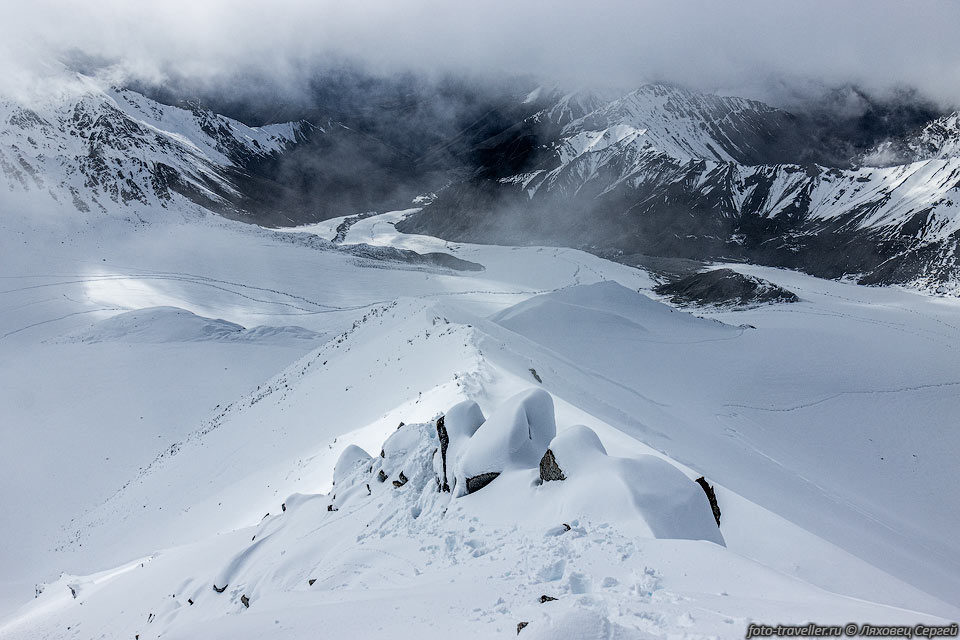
795,413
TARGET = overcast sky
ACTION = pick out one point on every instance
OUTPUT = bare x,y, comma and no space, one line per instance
767,49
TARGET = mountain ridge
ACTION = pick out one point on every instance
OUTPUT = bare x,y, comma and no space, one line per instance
659,171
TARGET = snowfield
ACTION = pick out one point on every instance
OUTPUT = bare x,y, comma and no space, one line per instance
200,440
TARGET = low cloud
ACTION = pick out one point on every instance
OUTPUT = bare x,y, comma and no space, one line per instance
774,51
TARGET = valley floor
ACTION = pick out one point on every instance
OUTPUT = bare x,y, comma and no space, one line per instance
141,449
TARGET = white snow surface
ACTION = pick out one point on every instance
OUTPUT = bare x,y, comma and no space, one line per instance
143,444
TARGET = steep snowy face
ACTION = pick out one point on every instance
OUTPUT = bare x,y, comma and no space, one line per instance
667,172
99,149
602,141
678,123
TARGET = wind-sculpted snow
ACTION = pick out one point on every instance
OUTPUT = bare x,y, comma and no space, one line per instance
515,437
170,324
622,546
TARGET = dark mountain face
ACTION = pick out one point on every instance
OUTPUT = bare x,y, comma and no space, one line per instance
663,172
378,141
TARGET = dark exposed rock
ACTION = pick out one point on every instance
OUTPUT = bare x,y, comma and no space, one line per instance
245,600
711,496
724,287
381,476
478,482
520,626
330,507
536,377
566,527
219,589
549,469
444,438
311,581
190,601
402,480
546,598
283,507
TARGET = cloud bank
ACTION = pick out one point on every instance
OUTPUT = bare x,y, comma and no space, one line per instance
767,49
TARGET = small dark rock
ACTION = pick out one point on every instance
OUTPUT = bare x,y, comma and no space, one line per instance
283,507
711,496
190,601
566,527
245,600
311,581
536,377
478,482
401,481
444,438
219,589
381,476
549,469
330,507
520,626
546,598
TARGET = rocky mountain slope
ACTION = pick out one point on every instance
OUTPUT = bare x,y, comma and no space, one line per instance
98,149
667,172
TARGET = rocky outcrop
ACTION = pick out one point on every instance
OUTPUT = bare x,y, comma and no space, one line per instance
711,497
725,287
549,469
478,482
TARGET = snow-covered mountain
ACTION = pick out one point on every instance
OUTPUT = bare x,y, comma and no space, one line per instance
666,172
658,171
98,148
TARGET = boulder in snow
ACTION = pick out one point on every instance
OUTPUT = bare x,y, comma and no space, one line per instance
514,437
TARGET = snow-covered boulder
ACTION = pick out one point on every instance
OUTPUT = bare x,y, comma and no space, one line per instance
352,458
645,495
354,462
578,446
646,489
515,436
454,430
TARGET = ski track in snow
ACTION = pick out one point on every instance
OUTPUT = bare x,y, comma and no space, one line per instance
805,405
